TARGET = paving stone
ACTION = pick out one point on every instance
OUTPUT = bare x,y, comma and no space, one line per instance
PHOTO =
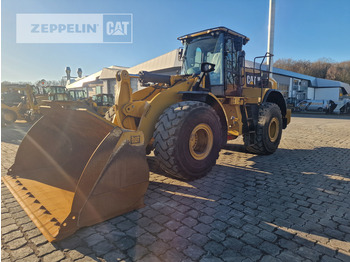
9,229
167,235
173,225
11,236
151,258
198,239
45,249
251,239
326,258
74,254
202,228
194,252
269,248
146,239
154,228
33,233
172,256
39,240
251,252
102,248
17,243
179,243
216,235
7,222
206,219
21,252
114,255
125,243
269,258
232,256
5,255
54,257
28,227
94,239
31,258
70,242
158,247
345,246
185,231
258,201
214,248
137,252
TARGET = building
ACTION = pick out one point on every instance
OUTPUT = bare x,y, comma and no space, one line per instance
104,81
295,87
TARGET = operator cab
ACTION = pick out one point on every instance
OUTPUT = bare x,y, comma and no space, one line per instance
223,48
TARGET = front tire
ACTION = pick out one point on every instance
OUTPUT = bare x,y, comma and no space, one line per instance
187,139
268,131
8,116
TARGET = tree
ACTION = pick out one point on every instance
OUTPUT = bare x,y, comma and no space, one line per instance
322,68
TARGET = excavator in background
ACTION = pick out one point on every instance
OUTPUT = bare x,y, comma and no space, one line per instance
74,169
18,102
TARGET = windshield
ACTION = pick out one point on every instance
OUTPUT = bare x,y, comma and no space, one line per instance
205,49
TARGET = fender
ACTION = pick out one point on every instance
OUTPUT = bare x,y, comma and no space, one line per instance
210,99
275,96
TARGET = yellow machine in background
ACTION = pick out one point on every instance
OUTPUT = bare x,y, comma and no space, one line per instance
18,102
101,103
75,169
60,97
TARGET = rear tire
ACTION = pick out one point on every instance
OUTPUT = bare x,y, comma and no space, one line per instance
268,131
187,139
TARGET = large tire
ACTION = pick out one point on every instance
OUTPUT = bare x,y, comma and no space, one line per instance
268,131
187,139
8,116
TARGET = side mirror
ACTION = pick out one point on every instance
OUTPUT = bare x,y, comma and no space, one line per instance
241,59
207,67
180,53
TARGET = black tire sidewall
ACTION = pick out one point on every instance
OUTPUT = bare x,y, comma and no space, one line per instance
201,115
273,112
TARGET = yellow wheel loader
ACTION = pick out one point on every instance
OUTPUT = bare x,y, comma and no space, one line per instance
18,102
75,169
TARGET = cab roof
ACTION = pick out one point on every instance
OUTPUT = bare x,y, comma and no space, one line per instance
215,29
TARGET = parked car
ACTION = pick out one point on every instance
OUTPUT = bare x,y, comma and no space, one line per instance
314,105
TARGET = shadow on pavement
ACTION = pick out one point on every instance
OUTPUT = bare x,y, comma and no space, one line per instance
15,132
292,205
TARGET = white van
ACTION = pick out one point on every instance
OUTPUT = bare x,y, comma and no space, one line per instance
313,105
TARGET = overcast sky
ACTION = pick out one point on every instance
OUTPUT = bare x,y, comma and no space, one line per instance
305,29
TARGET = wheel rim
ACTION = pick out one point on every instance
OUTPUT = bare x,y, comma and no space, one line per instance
201,141
273,129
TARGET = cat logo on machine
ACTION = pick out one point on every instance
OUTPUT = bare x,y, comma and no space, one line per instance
253,79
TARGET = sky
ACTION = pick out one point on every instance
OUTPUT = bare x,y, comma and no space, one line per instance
304,29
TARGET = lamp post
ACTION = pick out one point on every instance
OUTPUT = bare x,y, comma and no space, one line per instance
271,34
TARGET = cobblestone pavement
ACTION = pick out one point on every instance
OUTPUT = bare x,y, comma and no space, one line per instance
289,206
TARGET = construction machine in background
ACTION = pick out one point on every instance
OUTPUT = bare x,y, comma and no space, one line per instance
60,97
18,102
75,169
101,103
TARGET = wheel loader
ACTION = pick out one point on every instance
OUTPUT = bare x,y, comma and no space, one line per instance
74,169
59,97
18,102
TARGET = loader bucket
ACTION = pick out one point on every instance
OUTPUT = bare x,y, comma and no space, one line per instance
74,169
